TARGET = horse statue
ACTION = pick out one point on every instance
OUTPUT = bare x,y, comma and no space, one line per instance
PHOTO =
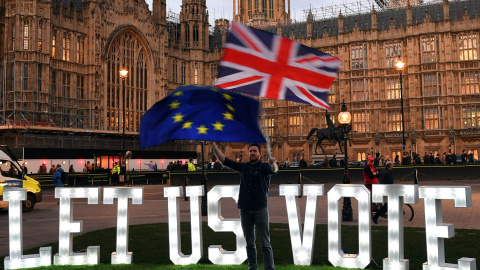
331,133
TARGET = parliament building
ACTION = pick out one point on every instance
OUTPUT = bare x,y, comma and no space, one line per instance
61,86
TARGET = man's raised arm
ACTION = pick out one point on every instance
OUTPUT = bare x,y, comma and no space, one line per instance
217,152
273,162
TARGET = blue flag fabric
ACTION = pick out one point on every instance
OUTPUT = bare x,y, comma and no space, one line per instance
201,113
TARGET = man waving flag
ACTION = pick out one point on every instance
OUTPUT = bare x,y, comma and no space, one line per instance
266,65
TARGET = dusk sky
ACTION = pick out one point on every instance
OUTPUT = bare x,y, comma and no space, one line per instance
223,8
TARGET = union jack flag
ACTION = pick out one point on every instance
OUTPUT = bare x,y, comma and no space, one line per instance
266,65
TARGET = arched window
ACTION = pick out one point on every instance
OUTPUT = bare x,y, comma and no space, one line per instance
39,36
54,43
128,52
187,35
195,33
26,30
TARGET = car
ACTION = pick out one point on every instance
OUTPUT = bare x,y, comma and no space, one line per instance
317,165
459,160
295,165
356,164
12,176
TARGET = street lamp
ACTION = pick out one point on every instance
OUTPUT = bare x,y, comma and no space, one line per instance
400,66
344,117
123,75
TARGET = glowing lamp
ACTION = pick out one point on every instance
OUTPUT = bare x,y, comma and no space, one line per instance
123,73
344,117
400,65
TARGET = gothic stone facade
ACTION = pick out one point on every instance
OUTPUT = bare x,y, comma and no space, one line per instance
60,62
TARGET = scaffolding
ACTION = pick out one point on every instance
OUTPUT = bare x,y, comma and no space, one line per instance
25,103
360,7
173,26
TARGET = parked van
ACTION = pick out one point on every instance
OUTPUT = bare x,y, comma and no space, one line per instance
12,176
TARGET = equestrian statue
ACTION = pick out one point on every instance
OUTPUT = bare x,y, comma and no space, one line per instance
331,133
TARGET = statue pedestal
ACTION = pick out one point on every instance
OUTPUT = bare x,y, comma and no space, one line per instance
316,158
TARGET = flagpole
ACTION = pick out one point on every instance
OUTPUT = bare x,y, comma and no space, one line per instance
261,113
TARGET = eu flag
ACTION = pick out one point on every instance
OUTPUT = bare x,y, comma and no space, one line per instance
201,113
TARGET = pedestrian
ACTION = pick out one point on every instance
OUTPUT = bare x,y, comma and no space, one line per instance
432,158
437,159
397,159
42,169
376,162
85,169
24,168
191,166
325,161
464,157
52,169
151,166
333,161
370,174
115,174
366,158
303,163
71,169
470,157
426,158
252,201
287,163
57,176
386,178
89,167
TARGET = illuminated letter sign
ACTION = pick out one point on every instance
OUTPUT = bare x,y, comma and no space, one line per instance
17,260
396,195
436,231
216,254
302,250
176,255
122,256
335,254
65,254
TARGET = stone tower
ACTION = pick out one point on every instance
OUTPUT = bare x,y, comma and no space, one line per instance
160,12
261,12
194,24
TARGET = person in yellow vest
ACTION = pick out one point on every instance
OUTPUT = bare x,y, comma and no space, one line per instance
191,166
115,174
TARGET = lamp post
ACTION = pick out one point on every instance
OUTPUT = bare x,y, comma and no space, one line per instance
344,117
400,66
123,75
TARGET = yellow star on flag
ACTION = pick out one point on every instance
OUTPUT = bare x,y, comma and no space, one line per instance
174,105
228,116
178,118
187,125
214,89
230,107
202,129
218,126
179,93
227,96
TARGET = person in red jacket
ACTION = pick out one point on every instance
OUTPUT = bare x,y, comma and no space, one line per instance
370,177
370,174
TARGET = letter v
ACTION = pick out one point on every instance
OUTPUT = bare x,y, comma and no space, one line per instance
302,250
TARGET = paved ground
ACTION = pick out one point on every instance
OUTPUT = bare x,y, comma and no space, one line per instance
40,226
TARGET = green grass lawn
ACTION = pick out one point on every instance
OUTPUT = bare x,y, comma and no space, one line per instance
149,244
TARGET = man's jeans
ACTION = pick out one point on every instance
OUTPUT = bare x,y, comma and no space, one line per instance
259,220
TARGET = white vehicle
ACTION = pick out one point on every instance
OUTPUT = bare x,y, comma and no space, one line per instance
12,176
